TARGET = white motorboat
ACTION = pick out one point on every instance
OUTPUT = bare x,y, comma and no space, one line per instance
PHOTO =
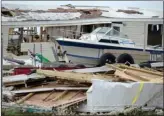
107,45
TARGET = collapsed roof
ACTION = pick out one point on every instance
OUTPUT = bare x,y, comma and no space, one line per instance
12,12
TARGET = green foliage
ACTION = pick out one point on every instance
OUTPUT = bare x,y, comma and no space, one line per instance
19,112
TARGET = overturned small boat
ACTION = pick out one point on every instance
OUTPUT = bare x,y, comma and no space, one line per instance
107,45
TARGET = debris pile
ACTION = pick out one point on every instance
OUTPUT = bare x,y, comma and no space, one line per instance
67,88
129,11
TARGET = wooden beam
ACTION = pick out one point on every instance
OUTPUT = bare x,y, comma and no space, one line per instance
74,101
75,95
60,96
78,77
48,95
25,98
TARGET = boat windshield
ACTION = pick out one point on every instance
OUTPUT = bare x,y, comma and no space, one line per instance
107,31
101,30
116,33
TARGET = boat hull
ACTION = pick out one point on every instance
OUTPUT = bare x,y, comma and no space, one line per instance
85,53
81,55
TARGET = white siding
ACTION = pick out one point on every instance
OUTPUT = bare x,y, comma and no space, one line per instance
61,31
5,32
135,31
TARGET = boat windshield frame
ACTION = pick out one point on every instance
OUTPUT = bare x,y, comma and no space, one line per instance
112,31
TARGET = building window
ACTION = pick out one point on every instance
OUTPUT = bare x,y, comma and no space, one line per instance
116,28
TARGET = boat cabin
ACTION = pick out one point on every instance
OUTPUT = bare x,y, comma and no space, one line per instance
108,35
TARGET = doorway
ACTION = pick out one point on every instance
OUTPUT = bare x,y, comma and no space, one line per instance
154,34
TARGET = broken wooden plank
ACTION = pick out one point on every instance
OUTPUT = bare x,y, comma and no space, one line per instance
78,77
147,75
142,70
48,89
114,67
122,75
25,98
133,77
92,70
136,76
60,96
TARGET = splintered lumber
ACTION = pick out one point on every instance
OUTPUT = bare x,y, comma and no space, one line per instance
48,89
142,70
135,74
60,96
114,67
134,77
122,75
78,77
25,98
147,75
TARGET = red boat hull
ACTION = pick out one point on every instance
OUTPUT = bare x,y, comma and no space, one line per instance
27,70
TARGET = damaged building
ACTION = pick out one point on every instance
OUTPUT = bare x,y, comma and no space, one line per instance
143,26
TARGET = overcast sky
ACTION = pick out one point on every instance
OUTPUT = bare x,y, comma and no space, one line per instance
158,5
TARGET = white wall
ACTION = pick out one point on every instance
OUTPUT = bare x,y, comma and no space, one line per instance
5,32
59,31
138,31
135,31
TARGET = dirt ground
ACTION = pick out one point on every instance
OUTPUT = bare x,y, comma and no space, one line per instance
18,112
